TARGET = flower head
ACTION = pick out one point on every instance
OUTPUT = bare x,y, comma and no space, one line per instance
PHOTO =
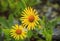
18,32
30,18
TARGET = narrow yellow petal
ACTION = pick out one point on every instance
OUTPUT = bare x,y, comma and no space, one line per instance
21,36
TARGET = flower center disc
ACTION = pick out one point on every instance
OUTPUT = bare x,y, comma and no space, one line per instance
31,18
18,31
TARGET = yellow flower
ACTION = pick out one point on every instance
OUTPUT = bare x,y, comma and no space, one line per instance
30,18
18,32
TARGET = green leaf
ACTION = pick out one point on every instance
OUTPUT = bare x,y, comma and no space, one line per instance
29,34
4,5
23,3
3,22
6,31
10,20
43,21
32,3
11,4
7,34
20,6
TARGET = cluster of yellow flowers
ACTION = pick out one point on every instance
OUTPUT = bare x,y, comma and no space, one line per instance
29,20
